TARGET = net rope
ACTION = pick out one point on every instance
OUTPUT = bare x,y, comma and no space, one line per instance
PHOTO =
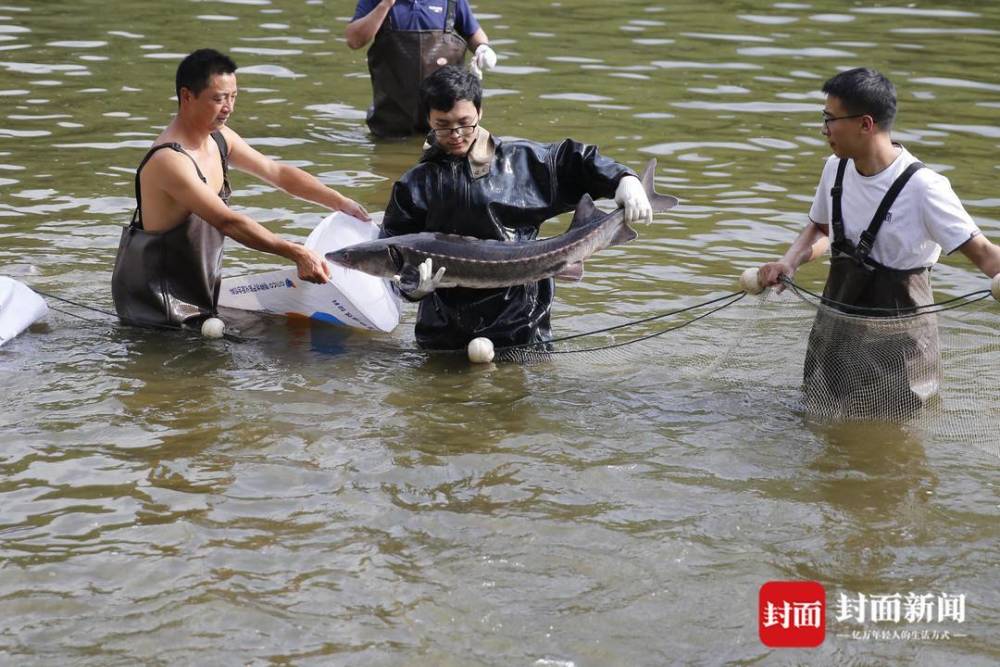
587,342
163,327
935,369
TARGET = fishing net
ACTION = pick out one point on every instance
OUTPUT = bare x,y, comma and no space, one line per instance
935,370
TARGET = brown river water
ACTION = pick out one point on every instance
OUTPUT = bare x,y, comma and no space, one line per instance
317,497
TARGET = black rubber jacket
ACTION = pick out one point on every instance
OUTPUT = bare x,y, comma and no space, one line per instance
526,183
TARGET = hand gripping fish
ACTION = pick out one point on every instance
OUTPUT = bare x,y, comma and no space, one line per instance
480,263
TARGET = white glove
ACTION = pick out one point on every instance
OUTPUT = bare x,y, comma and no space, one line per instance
484,59
422,283
631,196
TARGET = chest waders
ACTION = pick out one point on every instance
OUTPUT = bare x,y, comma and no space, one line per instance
173,277
398,61
865,368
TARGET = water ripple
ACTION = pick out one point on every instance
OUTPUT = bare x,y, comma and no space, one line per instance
945,31
988,131
276,71
728,38
915,11
39,68
335,110
768,20
688,64
670,148
78,44
956,83
23,133
108,145
257,51
807,52
575,97
832,18
749,107
518,70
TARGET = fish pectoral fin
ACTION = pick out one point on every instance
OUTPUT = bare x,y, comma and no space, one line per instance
586,211
623,235
408,277
571,272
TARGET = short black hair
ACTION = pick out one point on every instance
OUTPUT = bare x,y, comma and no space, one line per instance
197,68
865,91
447,86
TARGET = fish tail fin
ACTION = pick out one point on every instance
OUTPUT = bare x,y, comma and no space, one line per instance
660,203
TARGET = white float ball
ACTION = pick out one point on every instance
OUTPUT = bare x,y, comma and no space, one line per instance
750,281
995,287
480,350
213,327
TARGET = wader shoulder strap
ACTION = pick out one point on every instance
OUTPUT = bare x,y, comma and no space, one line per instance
220,141
867,239
449,20
224,154
837,217
137,214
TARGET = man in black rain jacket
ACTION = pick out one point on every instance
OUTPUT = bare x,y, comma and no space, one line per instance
469,182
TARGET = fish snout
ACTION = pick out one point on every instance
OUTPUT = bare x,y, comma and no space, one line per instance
342,257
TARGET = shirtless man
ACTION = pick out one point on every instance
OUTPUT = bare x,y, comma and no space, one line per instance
168,268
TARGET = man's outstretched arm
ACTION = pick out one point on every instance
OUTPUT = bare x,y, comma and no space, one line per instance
983,253
292,180
174,174
811,243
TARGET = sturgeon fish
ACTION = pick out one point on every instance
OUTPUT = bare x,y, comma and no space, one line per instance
481,263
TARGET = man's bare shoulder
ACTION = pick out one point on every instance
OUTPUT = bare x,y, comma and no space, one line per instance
166,158
168,166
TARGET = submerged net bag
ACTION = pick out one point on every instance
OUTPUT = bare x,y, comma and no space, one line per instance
936,370
860,367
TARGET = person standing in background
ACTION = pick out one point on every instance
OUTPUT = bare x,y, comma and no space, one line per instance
413,39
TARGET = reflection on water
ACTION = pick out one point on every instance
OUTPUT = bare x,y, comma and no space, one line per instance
315,496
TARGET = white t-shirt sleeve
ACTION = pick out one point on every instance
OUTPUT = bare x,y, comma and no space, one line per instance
820,212
944,217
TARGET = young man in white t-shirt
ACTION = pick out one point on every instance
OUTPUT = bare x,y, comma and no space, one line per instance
926,216
887,219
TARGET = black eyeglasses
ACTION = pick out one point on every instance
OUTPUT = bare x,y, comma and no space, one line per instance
461,130
829,119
